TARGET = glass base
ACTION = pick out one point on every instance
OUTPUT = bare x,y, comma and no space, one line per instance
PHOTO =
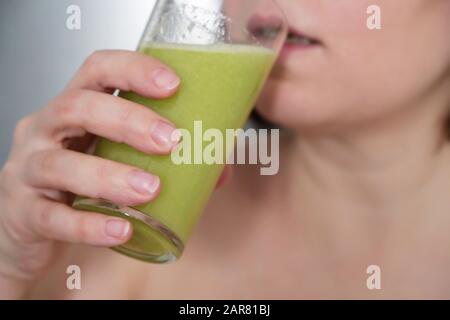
151,241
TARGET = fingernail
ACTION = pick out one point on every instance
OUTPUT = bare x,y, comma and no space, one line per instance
143,182
165,134
117,228
165,79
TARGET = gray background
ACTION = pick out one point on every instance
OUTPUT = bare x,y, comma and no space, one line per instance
38,54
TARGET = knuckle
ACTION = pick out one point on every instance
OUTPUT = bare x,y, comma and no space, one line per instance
33,262
92,63
13,227
42,162
133,124
21,129
70,107
103,170
81,228
108,175
8,179
42,168
126,113
8,171
43,218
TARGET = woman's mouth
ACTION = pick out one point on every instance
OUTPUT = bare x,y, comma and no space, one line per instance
297,39
297,42
266,28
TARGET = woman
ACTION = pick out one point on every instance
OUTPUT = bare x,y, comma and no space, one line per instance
364,177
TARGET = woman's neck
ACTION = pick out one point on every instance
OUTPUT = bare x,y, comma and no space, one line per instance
353,184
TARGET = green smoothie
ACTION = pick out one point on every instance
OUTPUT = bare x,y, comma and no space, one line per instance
220,84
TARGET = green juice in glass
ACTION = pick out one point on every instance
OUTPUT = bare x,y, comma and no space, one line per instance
220,84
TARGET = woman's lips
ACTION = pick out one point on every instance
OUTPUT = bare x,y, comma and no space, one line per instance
297,41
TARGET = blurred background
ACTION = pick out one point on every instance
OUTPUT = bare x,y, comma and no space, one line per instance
39,54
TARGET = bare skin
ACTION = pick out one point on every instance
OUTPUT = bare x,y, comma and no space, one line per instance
283,247
364,179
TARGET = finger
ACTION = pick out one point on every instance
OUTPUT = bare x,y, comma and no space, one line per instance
111,117
127,71
56,221
91,176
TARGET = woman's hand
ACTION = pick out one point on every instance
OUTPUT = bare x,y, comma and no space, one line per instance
44,167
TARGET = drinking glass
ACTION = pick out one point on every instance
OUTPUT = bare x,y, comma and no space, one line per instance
223,51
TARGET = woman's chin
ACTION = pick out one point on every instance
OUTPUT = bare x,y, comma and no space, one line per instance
277,117
300,120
